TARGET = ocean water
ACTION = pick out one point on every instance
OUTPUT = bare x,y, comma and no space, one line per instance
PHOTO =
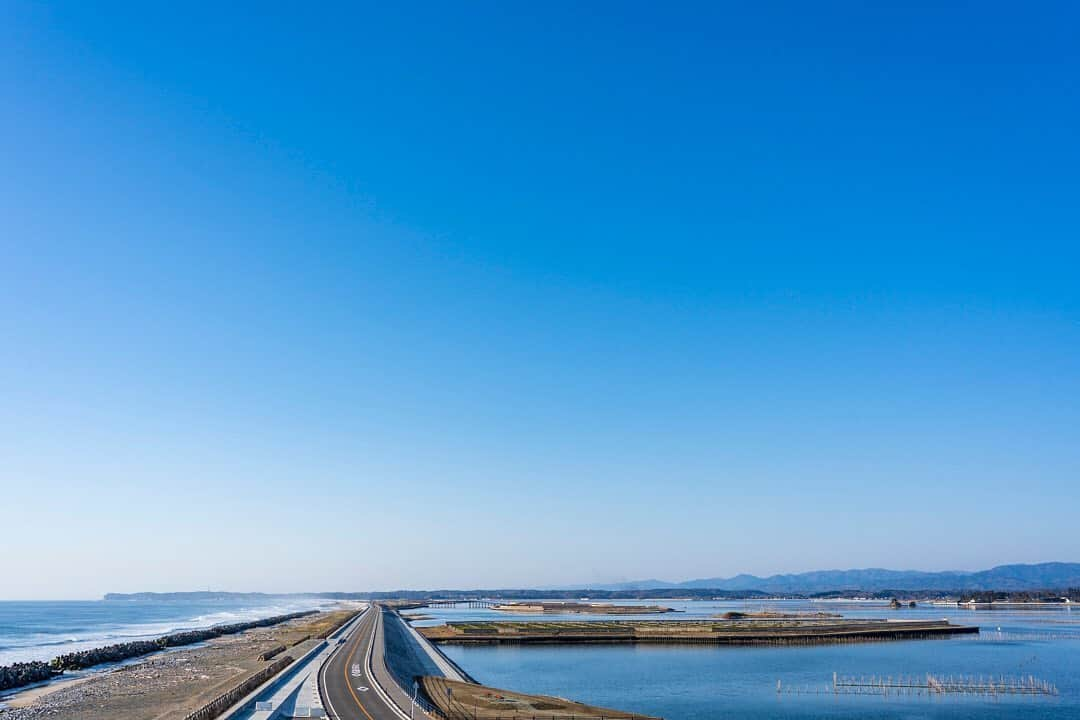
698,682
43,630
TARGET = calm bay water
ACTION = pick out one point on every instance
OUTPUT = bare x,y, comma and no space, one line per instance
697,682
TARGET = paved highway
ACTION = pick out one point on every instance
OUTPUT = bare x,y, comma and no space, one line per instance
354,681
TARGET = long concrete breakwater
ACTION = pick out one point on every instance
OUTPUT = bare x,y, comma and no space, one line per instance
21,674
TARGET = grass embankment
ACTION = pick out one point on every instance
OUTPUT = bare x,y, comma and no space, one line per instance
466,701
323,624
732,632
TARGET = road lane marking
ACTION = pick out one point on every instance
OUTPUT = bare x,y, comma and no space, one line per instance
379,690
340,649
348,661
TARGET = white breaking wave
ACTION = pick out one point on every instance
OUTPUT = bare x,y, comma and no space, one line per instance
43,646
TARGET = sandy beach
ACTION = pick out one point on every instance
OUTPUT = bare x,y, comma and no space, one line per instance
170,684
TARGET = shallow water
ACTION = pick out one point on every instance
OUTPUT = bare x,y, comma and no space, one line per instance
695,682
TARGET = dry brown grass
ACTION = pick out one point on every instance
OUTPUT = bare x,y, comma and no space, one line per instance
478,702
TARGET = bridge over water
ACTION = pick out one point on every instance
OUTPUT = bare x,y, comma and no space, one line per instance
463,602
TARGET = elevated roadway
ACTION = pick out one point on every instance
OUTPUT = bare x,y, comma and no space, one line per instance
355,683
294,692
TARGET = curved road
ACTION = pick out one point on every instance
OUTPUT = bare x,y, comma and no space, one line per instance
348,688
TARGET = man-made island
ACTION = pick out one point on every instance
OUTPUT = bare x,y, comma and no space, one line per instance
731,632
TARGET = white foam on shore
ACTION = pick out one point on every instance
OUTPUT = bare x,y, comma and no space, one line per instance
45,646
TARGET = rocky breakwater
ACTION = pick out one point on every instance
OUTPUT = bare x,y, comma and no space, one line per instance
109,653
19,674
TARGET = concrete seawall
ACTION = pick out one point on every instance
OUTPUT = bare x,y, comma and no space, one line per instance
406,659
450,669
412,658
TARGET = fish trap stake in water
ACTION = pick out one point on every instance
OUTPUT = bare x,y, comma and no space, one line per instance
941,685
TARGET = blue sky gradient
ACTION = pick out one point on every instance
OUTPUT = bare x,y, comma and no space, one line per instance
436,296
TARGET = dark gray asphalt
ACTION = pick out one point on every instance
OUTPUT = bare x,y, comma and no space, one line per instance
348,690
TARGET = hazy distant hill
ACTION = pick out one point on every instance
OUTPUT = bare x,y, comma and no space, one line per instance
197,596
1003,577
1044,576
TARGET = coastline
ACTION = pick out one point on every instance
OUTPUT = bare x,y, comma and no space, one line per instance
38,631
168,684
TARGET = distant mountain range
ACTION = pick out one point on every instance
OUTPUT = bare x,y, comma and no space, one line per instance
1002,577
1005,578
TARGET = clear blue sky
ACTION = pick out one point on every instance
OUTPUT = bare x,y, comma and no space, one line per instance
496,295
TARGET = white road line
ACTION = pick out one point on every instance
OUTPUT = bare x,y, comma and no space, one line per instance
371,672
341,645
